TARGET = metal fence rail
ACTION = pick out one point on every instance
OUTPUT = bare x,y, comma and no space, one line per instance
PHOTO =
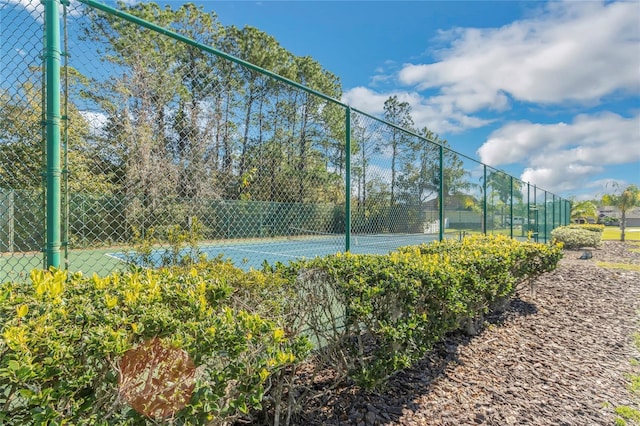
131,129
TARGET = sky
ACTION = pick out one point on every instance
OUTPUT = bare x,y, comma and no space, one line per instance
547,91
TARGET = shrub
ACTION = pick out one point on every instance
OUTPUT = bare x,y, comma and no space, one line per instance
376,314
64,339
228,340
501,265
575,237
588,226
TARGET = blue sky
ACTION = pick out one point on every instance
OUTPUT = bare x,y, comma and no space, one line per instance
549,92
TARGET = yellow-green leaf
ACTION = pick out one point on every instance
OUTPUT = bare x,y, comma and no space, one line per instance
22,311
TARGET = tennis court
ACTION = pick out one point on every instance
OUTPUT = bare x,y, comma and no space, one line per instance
253,253
246,253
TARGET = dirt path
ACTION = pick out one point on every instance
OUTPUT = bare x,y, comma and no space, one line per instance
558,358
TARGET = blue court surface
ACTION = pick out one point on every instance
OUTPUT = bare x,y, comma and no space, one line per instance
253,253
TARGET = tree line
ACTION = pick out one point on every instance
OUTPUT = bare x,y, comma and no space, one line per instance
177,123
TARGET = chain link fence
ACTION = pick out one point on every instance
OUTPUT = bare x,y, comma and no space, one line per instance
170,145
21,140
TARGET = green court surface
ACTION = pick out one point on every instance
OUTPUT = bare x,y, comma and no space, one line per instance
243,253
18,265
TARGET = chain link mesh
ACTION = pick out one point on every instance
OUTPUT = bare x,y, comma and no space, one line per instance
168,146
21,139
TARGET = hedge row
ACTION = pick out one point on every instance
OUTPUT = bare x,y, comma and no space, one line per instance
65,339
576,236
219,344
593,227
376,314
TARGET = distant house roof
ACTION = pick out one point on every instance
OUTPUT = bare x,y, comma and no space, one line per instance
613,211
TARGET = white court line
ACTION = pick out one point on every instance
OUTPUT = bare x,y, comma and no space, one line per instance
113,255
222,250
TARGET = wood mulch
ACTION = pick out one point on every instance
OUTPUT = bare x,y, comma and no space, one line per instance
560,357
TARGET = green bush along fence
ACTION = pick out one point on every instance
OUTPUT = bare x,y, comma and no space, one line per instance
119,124
68,340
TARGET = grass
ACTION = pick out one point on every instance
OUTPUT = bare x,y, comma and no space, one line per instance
627,413
612,233
625,266
624,412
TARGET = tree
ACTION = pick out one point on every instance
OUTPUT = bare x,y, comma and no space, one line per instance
194,124
398,113
583,210
262,50
624,201
420,180
137,104
21,147
362,142
504,187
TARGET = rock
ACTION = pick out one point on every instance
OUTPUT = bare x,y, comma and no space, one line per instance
370,418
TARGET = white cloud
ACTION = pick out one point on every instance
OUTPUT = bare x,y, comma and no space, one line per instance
568,53
605,138
576,52
36,8
96,120
423,110
596,189
564,156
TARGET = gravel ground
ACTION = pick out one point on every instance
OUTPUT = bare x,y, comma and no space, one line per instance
558,357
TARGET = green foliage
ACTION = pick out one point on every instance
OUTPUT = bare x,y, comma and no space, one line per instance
63,337
584,210
183,250
376,314
628,413
588,226
576,236
624,200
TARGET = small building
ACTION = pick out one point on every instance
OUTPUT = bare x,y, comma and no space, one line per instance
612,215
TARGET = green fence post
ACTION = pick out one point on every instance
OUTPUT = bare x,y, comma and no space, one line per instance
347,207
65,140
441,192
511,206
553,211
484,199
545,216
528,206
560,211
54,172
536,213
